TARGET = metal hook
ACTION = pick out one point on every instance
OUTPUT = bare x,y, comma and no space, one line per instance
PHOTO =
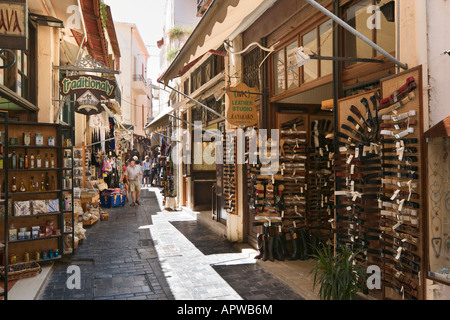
13,58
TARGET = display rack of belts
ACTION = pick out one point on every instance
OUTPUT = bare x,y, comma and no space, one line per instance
378,170
229,173
294,205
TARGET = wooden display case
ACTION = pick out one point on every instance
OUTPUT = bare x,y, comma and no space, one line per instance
47,140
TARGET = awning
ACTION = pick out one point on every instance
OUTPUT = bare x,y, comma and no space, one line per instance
223,20
161,120
113,37
96,41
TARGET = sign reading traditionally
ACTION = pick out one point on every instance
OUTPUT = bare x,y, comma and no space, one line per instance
89,91
241,110
14,25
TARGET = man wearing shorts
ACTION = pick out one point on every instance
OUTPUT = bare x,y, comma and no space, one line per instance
134,174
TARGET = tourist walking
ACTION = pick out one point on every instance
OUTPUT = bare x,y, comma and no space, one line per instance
147,165
134,174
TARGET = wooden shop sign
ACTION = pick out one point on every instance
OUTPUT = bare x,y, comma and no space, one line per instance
14,25
89,91
240,109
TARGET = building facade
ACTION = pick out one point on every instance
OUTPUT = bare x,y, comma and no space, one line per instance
264,47
134,84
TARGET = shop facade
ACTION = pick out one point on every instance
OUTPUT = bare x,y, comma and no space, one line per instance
63,130
317,106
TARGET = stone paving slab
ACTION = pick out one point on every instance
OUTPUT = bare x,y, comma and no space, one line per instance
145,253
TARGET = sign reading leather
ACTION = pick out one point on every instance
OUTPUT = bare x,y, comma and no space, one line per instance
89,91
14,25
241,110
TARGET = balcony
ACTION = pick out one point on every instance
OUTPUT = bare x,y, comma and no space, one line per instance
139,84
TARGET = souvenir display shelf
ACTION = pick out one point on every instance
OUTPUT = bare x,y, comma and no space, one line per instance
294,205
379,182
34,214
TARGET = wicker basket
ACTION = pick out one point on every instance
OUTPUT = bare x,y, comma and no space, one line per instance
21,270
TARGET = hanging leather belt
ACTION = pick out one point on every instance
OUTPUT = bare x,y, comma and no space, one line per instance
403,194
401,184
400,117
401,175
391,205
358,127
395,158
399,104
353,132
411,150
414,205
399,125
403,91
399,135
405,141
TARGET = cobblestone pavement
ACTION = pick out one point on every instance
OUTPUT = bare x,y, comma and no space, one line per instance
143,253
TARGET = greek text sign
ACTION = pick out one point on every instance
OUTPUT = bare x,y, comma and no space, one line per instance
13,25
241,110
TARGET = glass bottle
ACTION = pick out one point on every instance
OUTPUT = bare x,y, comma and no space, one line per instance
38,160
53,185
47,182
32,161
21,159
47,163
32,183
26,161
42,184
22,187
52,161
14,160
13,185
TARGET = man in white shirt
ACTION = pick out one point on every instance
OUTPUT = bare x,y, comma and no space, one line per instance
134,174
147,165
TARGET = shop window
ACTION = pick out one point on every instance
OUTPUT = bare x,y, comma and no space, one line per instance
292,74
196,80
326,47
310,70
372,19
252,60
279,71
67,115
23,80
20,77
186,86
318,41
208,70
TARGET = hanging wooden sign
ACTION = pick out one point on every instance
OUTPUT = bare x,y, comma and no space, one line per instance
14,25
89,91
241,110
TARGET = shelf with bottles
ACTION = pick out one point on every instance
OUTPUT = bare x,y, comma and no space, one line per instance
21,183
21,161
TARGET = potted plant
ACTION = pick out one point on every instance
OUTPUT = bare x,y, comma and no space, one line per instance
340,275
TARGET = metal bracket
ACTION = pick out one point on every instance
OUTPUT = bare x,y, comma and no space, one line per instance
10,64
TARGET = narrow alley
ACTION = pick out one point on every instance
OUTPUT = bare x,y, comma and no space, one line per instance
144,253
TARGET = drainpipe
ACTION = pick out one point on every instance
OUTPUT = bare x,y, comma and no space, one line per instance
356,33
336,89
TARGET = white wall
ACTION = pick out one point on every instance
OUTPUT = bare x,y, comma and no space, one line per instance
133,61
438,12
